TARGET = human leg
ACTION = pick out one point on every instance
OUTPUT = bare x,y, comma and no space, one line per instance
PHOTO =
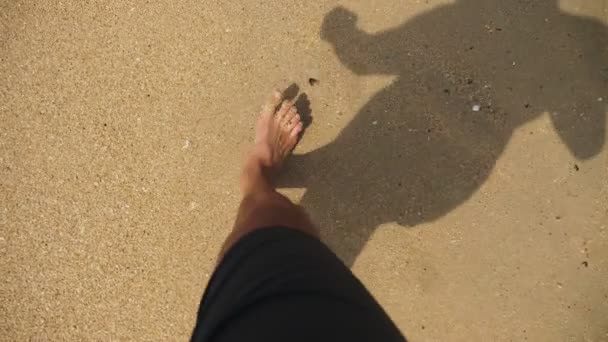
277,132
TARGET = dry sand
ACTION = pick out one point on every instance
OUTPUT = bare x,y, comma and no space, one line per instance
123,125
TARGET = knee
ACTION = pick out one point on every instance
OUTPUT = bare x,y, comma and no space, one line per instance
271,209
271,199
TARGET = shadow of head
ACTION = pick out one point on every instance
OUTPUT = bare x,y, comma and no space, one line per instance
549,61
468,74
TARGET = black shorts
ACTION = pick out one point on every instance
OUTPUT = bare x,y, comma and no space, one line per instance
279,284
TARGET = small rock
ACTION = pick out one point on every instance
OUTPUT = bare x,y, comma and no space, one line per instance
476,108
374,122
187,144
313,81
585,263
599,99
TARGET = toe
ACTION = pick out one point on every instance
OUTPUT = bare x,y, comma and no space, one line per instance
296,129
285,107
293,121
289,117
296,118
272,102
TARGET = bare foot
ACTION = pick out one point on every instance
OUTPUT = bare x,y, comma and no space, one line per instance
276,134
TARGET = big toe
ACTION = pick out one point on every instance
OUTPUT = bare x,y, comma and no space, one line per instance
272,102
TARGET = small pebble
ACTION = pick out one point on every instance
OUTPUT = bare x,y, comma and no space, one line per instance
476,108
599,99
374,122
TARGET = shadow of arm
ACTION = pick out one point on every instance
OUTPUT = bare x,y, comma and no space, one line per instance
584,136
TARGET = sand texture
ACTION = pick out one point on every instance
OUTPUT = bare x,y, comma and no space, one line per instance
456,159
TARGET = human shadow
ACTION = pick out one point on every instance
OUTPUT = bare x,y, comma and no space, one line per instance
418,148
